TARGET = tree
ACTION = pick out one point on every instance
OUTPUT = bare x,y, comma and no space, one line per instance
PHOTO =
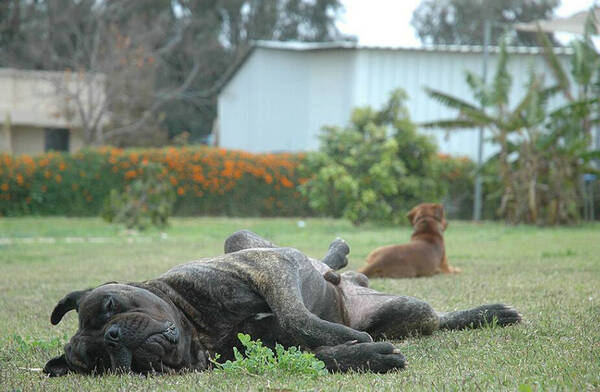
164,60
110,57
585,73
222,32
461,21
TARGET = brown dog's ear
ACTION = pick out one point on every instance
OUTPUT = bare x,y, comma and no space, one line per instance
69,302
57,367
439,212
439,215
411,214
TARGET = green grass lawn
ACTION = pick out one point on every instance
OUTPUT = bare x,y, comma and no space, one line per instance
551,275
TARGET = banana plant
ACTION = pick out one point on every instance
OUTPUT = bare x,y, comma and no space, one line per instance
537,146
584,75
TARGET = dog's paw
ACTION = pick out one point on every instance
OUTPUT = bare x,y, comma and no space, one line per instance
378,357
499,314
336,256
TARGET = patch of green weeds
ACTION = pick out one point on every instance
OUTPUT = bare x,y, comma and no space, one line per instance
259,360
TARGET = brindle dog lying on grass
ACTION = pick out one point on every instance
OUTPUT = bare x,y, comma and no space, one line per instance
195,310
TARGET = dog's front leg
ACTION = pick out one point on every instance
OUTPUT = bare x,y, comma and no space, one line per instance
379,357
276,277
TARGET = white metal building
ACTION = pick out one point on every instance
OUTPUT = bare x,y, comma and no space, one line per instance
282,93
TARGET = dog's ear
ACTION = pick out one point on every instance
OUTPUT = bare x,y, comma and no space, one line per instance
57,367
439,215
69,302
411,214
439,212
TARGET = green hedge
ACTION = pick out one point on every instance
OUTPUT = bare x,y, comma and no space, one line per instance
208,181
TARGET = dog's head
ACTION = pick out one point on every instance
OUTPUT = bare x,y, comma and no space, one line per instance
424,215
122,328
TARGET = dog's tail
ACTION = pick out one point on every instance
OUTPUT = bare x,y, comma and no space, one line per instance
481,316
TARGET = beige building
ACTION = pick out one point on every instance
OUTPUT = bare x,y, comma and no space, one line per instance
33,116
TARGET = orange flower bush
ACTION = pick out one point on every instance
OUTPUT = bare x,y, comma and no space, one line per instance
207,181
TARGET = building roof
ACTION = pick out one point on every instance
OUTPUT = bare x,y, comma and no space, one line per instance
349,45
312,46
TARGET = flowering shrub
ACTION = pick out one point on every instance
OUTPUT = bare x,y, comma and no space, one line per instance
206,181
375,169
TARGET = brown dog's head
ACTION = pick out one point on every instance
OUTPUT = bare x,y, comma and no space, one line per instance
424,215
123,328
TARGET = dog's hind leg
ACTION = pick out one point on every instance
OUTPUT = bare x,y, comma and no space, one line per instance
493,314
336,257
398,317
386,316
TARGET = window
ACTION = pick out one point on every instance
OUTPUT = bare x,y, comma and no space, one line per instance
56,139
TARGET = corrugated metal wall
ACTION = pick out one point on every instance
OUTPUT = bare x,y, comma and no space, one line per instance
265,106
279,99
380,71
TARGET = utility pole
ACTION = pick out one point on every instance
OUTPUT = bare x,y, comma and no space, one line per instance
487,27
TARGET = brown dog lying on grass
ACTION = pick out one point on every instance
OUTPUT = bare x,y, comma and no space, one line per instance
424,255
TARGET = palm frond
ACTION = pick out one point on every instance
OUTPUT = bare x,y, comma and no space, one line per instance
591,154
518,118
451,124
584,62
582,105
449,100
548,92
478,88
502,79
589,28
467,112
555,66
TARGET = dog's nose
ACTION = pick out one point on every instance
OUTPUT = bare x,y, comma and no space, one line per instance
112,336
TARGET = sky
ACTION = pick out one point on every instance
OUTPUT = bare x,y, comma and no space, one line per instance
387,22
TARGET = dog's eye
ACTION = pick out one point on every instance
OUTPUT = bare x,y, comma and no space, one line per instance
110,305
